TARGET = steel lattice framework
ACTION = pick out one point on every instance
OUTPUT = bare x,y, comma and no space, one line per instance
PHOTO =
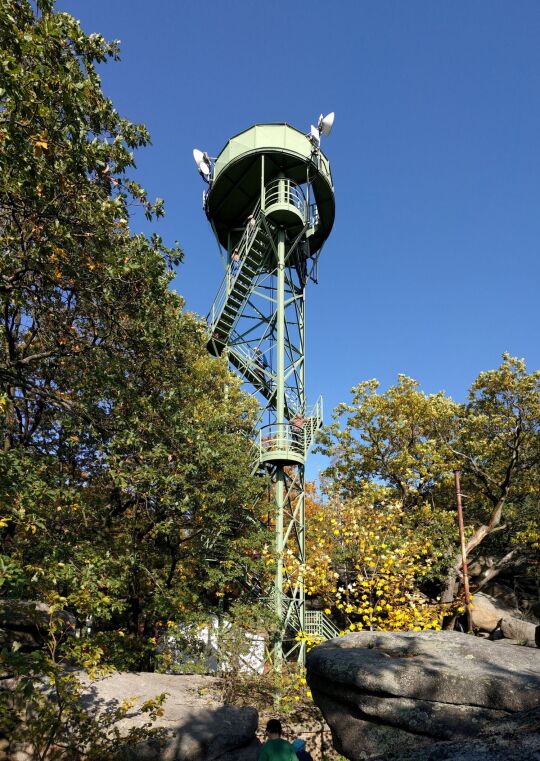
271,206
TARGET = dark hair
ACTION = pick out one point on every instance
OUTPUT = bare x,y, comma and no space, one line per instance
274,727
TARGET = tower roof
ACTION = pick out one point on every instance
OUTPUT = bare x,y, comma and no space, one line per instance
236,186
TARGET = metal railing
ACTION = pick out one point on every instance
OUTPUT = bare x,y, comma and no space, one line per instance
253,361
313,219
318,624
231,274
286,439
291,439
286,192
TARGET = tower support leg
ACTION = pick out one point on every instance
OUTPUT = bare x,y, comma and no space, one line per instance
278,591
280,421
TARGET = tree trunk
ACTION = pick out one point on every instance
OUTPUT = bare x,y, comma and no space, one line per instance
451,584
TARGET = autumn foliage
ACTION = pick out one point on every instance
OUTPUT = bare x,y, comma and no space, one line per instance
366,566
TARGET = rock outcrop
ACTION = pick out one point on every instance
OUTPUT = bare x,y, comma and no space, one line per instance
514,739
386,692
491,615
198,727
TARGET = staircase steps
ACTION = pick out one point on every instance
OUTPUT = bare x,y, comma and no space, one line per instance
237,286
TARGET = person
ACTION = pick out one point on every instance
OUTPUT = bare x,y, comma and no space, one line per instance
297,429
235,262
250,225
299,747
260,362
275,748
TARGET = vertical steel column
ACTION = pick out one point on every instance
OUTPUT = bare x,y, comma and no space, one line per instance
301,479
280,430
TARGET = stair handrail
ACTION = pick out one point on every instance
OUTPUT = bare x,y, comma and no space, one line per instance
289,438
243,248
285,191
249,360
319,624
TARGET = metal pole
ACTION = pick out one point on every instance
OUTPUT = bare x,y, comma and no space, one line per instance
301,474
262,183
280,431
280,344
280,498
465,571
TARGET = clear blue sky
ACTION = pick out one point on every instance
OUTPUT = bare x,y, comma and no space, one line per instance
433,265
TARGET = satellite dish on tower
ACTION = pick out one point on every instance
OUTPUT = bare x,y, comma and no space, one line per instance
325,123
203,163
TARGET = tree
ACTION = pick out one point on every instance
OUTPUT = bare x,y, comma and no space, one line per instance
411,443
367,566
498,450
125,468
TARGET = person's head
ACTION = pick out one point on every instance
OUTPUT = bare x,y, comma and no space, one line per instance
273,729
298,744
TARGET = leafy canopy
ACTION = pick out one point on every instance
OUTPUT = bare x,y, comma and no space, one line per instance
125,491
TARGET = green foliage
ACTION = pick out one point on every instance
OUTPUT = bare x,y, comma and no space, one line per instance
45,709
397,438
405,444
125,492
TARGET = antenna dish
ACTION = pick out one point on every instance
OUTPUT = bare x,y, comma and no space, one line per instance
202,161
315,136
325,123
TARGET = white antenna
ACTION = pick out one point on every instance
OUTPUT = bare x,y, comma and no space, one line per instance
315,136
203,163
325,123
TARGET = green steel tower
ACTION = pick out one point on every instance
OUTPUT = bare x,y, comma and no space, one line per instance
270,202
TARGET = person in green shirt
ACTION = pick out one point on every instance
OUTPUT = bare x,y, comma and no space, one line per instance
276,749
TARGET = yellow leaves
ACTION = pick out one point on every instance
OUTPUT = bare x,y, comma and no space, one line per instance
41,145
127,704
385,561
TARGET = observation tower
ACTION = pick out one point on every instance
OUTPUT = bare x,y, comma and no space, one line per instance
270,202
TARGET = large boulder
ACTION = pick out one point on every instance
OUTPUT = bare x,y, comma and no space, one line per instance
516,738
197,727
490,614
487,612
388,692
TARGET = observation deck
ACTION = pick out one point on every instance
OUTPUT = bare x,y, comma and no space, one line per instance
251,160
289,442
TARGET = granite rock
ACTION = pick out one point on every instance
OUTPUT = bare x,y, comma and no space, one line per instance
389,692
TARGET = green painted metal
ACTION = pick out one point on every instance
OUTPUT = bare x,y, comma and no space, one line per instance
267,150
318,625
271,206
